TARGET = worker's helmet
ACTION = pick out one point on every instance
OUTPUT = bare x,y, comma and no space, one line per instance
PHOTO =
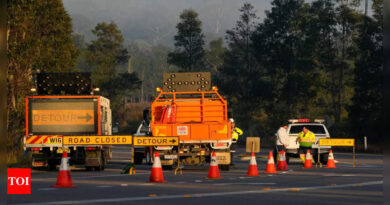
231,120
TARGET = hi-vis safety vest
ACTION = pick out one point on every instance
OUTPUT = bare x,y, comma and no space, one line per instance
236,132
306,139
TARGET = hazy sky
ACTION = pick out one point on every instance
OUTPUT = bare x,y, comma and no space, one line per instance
154,20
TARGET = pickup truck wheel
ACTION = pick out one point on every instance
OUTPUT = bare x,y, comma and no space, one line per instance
324,158
138,157
225,167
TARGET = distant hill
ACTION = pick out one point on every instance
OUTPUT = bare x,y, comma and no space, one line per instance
154,21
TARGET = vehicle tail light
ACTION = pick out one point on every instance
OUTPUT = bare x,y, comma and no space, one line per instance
91,148
220,144
35,149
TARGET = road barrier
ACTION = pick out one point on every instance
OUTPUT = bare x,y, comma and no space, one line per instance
341,142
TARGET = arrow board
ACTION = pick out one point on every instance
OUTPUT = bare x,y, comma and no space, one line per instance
156,141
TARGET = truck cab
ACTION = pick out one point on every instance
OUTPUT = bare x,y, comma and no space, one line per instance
316,126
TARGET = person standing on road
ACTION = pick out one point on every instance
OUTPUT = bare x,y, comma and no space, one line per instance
236,132
306,138
282,141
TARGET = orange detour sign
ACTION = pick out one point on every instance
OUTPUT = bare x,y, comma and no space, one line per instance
270,165
252,169
213,170
64,180
282,164
330,163
63,117
308,161
156,175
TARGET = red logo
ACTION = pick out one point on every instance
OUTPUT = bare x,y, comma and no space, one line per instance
19,181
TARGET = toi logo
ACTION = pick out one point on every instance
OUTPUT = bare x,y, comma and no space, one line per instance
18,181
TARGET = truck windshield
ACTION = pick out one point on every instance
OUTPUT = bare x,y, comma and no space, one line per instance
316,129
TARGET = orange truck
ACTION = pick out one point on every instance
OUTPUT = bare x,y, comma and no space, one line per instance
187,106
64,106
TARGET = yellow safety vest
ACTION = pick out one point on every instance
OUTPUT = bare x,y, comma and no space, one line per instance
236,132
306,139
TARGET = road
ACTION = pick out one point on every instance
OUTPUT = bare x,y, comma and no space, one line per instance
343,185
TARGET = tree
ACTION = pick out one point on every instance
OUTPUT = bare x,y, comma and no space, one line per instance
39,39
215,54
106,53
189,41
239,38
367,108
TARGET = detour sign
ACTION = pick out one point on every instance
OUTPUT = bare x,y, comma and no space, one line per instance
96,140
63,117
156,141
336,142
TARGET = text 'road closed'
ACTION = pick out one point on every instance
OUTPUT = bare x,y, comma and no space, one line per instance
96,140
156,141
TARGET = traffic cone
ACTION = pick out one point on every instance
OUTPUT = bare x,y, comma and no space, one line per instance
213,170
252,169
270,165
308,161
64,179
282,164
330,163
157,174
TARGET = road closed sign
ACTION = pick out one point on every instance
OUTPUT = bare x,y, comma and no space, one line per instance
156,141
97,140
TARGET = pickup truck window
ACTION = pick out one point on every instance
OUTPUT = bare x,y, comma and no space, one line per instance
316,129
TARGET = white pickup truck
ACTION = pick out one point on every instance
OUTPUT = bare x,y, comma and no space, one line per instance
319,129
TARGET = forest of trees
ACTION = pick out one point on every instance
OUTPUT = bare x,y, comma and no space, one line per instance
304,59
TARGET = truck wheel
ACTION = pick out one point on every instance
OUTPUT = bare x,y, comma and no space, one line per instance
138,157
225,167
88,168
51,166
324,158
167,167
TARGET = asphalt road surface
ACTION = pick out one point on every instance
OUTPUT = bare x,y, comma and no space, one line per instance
343,185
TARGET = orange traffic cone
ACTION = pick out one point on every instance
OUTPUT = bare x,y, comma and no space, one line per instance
270,165
330,163
213,170
308,161
282,164
157,174
252,169
64,180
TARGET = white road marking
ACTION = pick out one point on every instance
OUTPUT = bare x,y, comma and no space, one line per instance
105,200
147,184
249,183
123,184
198,181
98,176
47,189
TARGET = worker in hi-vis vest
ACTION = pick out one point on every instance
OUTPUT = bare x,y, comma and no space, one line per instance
306,138
236,132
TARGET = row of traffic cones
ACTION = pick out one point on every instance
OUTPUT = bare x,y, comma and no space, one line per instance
64,179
